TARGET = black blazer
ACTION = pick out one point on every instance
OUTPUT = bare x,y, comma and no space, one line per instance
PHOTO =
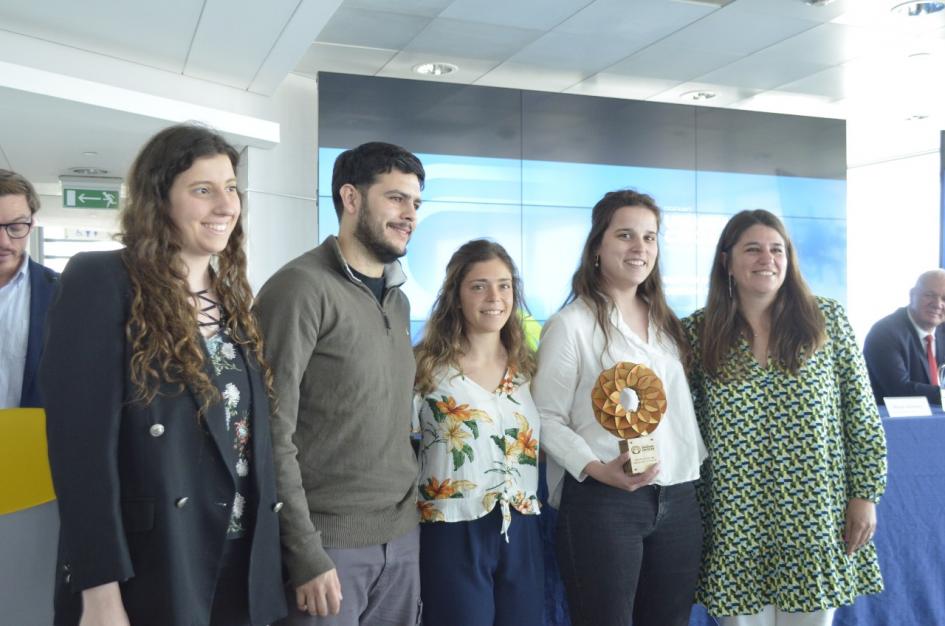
895,358
144,493
42,284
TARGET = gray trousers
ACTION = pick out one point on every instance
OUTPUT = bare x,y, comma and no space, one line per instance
380,585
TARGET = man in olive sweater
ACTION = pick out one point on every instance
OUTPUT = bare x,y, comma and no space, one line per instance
337,332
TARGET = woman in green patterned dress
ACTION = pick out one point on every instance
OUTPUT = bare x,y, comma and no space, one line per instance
797,455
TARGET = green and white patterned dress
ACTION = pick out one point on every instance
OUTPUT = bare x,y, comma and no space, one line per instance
786,453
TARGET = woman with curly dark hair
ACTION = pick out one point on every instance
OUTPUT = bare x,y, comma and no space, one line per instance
480,545
157,408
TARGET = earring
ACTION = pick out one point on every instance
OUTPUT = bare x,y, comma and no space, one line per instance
597,261
730,286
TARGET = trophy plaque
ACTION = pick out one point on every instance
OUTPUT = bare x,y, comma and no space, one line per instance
629,401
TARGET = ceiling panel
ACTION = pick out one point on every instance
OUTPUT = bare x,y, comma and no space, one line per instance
644,20
793,104
374,29
876,14
234,37
664,60
309,17
327,57
738,32
831,44
522,76
576,52
619,86
800,9
530,14
426,8
910,83
761,71
828,83
470,39
157,34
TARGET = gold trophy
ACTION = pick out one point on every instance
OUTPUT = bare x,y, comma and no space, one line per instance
629,401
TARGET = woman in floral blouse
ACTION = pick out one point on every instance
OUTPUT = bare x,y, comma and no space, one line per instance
480,546
157,408
797,456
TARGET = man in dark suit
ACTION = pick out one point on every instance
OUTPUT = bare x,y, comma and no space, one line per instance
25,291
905,349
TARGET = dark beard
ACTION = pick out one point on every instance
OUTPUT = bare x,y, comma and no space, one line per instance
371,236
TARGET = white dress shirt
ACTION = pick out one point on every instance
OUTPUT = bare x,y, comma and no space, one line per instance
570,360
14,334
922,333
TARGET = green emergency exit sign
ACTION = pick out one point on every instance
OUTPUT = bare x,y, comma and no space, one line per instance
77,198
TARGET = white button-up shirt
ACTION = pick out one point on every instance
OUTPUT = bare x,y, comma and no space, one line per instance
14,334
922,333
570,360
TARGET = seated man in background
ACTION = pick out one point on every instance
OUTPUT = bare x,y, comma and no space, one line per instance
905,349
25,290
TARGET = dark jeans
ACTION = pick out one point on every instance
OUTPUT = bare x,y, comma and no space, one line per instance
629,555
470,575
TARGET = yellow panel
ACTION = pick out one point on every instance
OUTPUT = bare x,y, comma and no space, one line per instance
532,329
24,464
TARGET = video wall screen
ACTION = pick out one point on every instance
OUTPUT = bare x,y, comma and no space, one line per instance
525,168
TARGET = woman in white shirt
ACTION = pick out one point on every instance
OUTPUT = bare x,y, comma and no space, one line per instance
628,546
480,544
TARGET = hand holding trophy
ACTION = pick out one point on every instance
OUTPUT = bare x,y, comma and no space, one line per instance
629,401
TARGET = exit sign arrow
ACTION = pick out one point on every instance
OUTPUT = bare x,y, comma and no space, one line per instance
89,198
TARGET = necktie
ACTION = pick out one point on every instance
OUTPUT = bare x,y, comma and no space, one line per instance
933,369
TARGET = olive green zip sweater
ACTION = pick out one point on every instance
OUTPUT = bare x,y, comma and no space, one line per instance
344,371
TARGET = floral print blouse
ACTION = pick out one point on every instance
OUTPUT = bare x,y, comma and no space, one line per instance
232,380
479,449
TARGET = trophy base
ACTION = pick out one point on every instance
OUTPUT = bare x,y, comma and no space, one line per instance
643,454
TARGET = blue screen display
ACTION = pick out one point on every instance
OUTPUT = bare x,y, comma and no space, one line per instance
540,212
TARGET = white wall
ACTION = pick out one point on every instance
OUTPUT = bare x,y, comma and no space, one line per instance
280,183
893,215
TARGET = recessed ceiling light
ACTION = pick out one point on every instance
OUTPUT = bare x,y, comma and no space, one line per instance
819,3
700,95
88,171
917,9
435,69
90,153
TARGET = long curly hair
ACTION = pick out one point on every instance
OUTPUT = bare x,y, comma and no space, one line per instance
162,328
444,339
798,328
588,284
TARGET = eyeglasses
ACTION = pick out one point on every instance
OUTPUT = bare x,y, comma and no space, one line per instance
18,230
